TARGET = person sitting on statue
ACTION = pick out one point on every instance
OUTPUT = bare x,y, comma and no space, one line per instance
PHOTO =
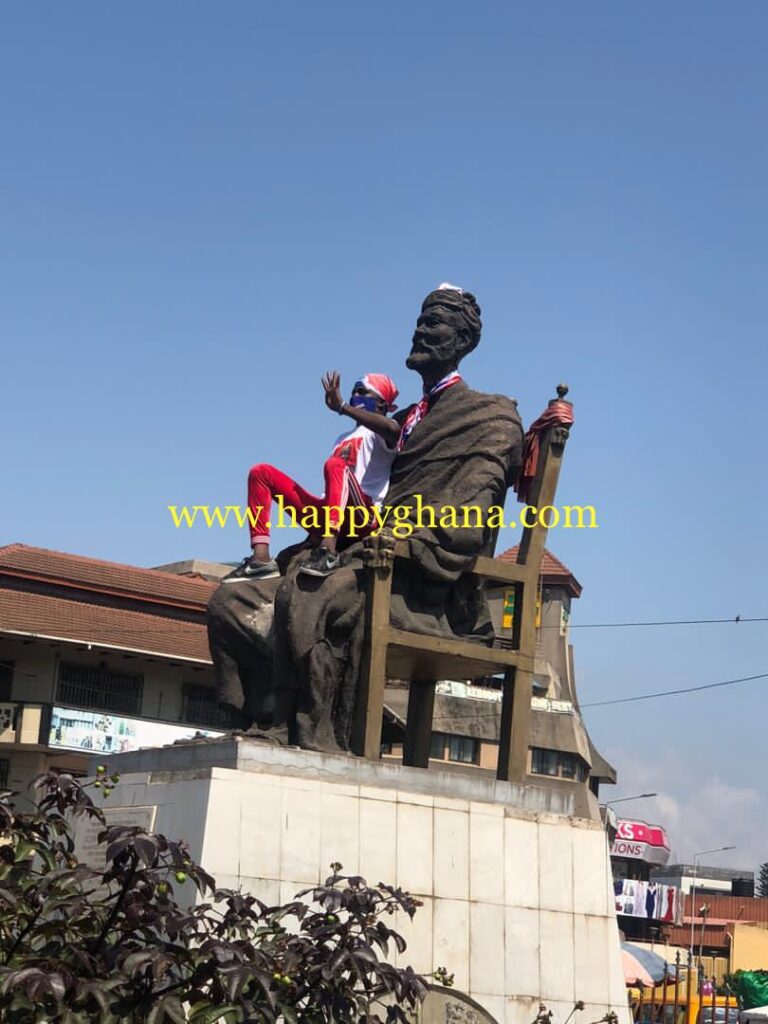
356,474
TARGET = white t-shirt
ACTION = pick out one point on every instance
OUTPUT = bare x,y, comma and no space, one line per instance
367,455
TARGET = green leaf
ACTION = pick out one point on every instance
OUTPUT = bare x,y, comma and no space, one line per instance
288,1012
8,897
173,1009
210,1014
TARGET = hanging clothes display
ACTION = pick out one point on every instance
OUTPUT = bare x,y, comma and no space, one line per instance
651,900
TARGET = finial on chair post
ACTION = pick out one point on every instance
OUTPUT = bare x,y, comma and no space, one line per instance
560,432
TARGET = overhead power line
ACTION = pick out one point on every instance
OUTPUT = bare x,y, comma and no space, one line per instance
662,622
673,693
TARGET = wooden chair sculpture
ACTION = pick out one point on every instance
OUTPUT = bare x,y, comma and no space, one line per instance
422,660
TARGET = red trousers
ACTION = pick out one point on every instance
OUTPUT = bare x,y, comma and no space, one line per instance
266,484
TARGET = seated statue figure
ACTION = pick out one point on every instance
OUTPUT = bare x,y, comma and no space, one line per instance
287,653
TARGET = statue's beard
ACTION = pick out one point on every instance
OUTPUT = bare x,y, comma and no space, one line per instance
423,356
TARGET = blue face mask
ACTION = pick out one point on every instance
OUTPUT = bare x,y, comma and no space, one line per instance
364,402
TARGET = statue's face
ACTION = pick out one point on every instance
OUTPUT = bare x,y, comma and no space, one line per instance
436,340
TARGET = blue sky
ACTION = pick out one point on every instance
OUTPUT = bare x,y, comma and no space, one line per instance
206,206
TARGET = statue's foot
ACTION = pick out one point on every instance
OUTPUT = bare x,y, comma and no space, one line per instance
321,742
276,735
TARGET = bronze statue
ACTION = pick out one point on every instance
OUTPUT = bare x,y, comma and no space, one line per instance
287,653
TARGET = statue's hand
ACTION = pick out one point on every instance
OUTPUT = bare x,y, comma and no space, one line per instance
332,384
379,550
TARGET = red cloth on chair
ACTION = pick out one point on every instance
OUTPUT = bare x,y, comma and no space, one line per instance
557,414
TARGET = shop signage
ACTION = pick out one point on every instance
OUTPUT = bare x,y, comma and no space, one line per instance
113,734
640,841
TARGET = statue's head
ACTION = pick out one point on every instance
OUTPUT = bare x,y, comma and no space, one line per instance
447,329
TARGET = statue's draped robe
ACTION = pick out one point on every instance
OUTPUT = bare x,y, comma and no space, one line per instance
465,452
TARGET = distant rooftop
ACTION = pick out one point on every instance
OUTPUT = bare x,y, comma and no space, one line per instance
703,871
198,567
553,571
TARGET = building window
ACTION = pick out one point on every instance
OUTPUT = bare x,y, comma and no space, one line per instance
200,707
543,762
99,688
437,746
558,764
490,682
5,765
6,680
463,749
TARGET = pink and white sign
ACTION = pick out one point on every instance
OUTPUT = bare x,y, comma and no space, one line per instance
640,841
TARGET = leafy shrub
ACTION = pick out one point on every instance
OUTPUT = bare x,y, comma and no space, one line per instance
79,946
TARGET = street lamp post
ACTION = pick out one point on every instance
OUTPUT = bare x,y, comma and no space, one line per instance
701,853
704,913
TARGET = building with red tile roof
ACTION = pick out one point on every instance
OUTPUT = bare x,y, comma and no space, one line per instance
97,655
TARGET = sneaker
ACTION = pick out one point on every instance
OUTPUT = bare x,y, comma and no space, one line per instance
250,570
321,562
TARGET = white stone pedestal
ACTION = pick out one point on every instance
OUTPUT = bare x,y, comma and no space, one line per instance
518,899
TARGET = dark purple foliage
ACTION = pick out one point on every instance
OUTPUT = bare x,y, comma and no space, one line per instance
80,947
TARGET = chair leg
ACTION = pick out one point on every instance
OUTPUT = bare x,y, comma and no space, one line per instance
418,726
515,725
369,713
505,731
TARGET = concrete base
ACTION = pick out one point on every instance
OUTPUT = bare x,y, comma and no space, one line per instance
518,900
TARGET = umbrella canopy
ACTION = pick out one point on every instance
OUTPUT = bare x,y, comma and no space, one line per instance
654,964
758,1013
634,972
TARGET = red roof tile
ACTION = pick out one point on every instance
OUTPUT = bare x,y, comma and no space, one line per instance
64,618
69,597
552,569
93,574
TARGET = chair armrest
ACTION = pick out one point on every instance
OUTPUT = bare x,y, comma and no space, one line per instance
487,568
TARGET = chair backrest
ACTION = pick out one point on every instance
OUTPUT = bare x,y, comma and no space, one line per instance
514,659
544,487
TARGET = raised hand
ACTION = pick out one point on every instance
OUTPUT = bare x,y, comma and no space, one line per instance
332,384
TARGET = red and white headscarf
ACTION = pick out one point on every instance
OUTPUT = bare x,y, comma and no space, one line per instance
383,386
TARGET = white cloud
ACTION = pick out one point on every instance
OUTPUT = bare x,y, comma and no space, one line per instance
697,812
